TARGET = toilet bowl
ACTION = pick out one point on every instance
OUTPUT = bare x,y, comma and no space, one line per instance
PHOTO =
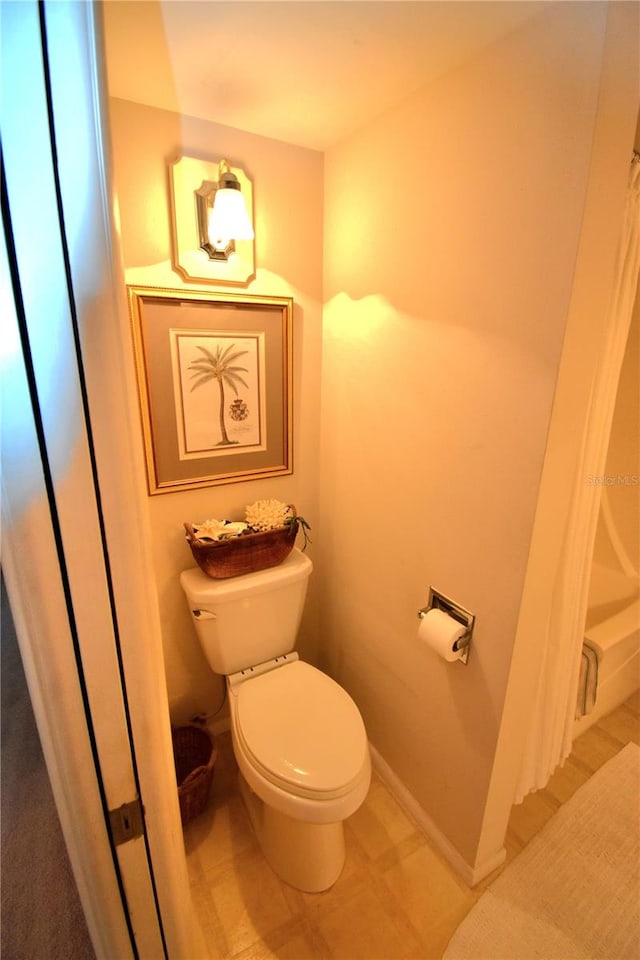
300,742
304,766
298,737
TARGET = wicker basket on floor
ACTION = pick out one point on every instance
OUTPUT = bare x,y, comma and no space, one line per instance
247,553
194,754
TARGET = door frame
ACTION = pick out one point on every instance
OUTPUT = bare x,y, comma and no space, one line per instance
74,518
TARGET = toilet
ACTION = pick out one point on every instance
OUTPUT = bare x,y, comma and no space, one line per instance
298,737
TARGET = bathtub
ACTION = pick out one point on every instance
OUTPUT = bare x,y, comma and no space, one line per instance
610,670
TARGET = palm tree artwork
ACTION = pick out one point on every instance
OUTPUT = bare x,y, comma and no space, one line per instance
219,366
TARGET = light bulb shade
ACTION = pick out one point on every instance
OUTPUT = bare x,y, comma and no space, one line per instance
229,219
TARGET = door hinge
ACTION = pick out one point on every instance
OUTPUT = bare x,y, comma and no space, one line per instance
126,822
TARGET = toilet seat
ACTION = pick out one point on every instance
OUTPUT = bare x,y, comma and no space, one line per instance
301,731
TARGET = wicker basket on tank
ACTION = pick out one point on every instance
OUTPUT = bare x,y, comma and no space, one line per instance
194,754
247,553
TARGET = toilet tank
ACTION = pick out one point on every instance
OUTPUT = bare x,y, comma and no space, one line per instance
243,621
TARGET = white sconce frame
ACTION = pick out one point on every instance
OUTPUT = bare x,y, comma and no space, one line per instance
189,259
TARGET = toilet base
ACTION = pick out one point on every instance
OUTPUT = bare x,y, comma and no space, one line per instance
307,856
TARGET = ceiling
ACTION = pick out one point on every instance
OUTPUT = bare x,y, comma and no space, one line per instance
309,72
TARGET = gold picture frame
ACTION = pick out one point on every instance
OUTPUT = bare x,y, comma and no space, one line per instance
214,383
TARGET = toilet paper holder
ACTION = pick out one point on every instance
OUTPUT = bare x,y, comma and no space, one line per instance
438,601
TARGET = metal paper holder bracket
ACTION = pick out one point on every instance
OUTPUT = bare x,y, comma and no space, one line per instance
438,601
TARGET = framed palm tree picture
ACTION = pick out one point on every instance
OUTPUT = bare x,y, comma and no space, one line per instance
214,380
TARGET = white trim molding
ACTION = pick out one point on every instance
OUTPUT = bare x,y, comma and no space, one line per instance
471,875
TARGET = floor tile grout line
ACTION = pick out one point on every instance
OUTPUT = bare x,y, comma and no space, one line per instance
306,917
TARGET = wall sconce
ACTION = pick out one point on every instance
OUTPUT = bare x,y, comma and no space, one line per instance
222,214
212,208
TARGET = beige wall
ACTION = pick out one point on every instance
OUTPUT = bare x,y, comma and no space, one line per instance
288,214
452,227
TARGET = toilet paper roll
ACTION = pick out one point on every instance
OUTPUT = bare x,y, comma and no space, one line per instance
440,633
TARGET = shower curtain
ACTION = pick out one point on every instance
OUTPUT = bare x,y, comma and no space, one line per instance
550,735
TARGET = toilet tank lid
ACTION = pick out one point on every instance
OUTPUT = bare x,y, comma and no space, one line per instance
199,587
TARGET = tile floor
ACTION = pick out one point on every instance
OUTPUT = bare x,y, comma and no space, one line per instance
396,897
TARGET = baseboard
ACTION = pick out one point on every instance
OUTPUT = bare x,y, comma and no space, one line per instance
471,875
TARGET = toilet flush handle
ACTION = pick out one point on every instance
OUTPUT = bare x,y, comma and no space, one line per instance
203,614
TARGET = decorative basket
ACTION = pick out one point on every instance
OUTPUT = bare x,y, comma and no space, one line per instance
244,554
194,755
